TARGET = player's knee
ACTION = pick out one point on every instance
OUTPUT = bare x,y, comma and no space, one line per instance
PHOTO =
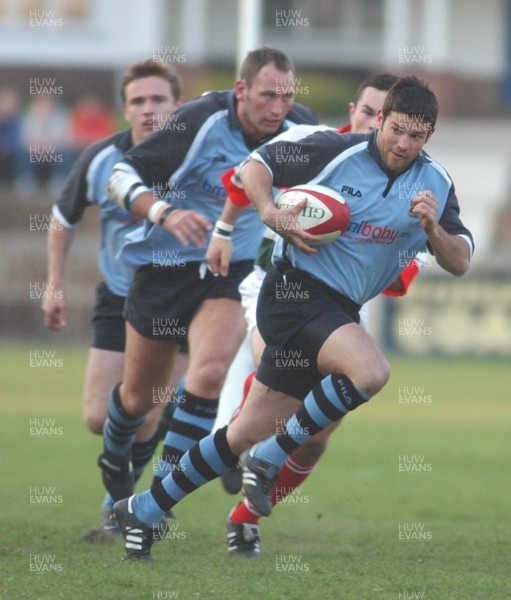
382,374
94,421
137,401
210,377
374,380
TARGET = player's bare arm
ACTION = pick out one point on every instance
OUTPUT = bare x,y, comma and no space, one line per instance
452,252
188,226
218,255
126,189
54,305
257,183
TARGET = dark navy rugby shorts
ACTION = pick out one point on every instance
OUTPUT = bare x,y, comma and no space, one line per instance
296,313
108,326
162,301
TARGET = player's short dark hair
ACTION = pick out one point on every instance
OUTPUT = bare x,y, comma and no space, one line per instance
380,81
152,68
257,59
412,96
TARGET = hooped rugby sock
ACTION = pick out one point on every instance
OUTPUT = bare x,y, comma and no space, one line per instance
207,460
192,420
108,502
290,476
142,452
166,419
326,403
119,429
174,400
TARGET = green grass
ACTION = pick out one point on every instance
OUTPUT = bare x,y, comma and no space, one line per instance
342,530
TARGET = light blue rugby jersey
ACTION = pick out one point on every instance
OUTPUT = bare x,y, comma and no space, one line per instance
84,187
183,163
382,236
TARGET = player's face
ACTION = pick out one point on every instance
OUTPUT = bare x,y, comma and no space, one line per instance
149,100
400,138
263,106
364,114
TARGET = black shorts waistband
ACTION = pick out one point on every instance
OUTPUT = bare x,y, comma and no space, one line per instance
286,268
190,266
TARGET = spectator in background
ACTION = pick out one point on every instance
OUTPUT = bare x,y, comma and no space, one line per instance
91,120
10,135
46,144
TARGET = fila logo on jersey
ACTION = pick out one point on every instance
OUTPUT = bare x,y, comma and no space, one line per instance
346,189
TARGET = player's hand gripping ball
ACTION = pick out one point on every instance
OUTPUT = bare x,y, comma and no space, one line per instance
327,213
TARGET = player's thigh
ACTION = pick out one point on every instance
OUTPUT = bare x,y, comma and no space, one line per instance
264,413
352,351
104,369
257,344
214,336
148,364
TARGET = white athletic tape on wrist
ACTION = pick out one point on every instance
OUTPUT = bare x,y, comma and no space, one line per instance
224,226
153,213
124,187
222,230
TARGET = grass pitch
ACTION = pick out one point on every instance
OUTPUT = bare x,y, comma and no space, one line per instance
410,501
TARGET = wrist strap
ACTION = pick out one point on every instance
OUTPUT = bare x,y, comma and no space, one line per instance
165,214
155,216
217,233
152,214
222,230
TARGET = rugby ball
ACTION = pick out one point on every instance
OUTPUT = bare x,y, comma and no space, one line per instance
327,213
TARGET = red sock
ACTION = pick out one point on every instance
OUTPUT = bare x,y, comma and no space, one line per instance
242,513
290,477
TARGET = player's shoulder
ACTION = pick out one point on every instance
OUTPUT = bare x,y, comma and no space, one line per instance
435,167
96,157
205,104
339,142
351,138
298,132
196,113
119,142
